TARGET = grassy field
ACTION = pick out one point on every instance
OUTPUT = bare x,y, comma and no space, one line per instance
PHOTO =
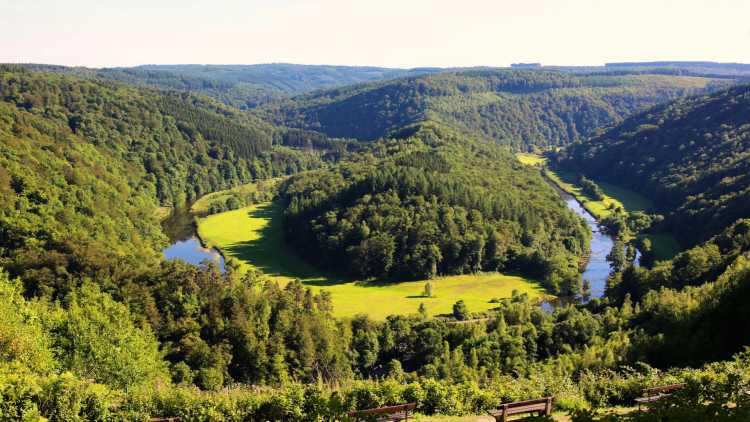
614,196
665,246
202,205
531,159
254,236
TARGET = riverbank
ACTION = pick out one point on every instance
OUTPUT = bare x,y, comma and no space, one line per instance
664,245
253,236
614,196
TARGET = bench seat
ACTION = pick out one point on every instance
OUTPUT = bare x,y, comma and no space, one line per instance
521,409
541,406
399,412
650,399
654,394
400,416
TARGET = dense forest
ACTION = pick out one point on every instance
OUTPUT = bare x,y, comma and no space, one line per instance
194,326
241,86
436,203
85,163
520,108
95,325
691,157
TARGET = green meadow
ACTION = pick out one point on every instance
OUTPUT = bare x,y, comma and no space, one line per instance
254,237
531,159
614,196
202,205
664,245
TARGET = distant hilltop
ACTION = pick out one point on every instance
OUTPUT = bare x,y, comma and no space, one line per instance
693,67
526,65
688,64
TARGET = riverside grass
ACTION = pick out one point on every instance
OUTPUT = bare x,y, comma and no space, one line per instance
664,245
254,237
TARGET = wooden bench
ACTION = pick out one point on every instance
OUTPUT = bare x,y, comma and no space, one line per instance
653,394
542,407
390,413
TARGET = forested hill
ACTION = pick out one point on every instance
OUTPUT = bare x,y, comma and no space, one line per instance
691,156
243,86
519,108
436,203
84,163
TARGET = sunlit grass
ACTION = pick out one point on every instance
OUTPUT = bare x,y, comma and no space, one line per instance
202,205
664,245
254,236
614,196
531,159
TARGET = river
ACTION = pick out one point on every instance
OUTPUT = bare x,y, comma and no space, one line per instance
185,245
598,268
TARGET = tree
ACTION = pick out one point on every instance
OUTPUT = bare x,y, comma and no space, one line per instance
233,203
616,257
422,310
374,255
427,290
460,311
97,338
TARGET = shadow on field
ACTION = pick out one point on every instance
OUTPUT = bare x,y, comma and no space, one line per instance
271,254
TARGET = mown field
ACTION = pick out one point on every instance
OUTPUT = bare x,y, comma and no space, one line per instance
254,236
665,246
202,205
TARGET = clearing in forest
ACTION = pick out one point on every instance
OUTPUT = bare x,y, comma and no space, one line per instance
664,245
254,236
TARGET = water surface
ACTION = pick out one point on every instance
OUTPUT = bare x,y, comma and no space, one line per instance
191,251
598,268
186,246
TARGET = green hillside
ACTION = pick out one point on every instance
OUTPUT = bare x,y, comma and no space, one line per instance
242,86
518,108
85,163
438,203
691,157
95,326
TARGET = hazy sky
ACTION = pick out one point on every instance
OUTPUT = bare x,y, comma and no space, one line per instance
394,33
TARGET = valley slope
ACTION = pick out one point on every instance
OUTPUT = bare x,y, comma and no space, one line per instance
690,156
86,162
242,86
523,109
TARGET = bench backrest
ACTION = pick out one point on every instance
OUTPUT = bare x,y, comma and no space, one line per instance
662,389
384,410
542,402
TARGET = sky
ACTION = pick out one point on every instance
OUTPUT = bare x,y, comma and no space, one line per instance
389,33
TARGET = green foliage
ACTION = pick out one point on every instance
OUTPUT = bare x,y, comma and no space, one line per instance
518,108
96,338
696,324
24,341
460,311
84,163
90,335
689,156
235,198
246,86
437,203
590,188
231,329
